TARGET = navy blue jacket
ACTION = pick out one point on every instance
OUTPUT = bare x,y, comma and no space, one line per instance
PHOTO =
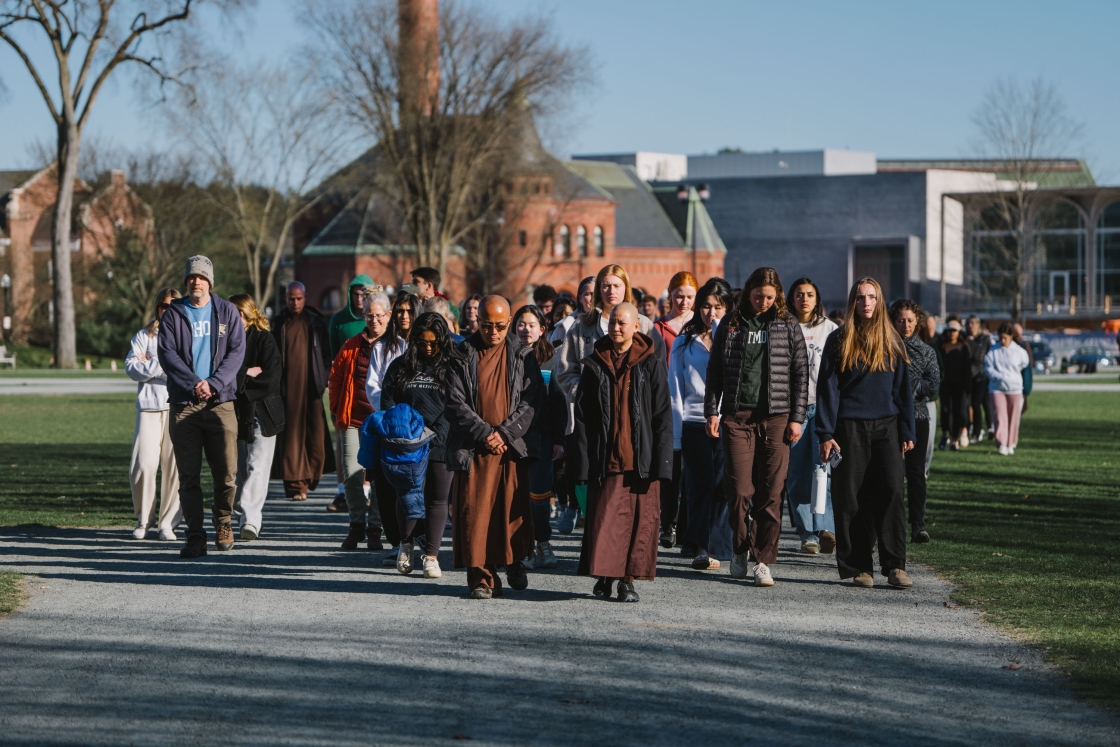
859,394
227,350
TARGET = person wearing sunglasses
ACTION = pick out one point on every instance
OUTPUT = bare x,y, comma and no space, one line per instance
494,392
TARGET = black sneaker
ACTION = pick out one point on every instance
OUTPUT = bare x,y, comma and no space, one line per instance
669,538
919,537
626,593
356,534
516,577
603,588
195,548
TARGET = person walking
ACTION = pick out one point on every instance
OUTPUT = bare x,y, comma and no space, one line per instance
708,531
343,325
611,287
306,453
1004,366
418,378
956,386
683,290
349,409
817,532
865,417
979,343
260,415
925,379
152,449
494,392
529,325
756,392
624,452
929,335
201,344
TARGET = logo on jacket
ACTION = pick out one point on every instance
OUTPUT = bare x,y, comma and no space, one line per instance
221,330
756,337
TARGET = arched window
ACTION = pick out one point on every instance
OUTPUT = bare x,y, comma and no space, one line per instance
581,241
598,241
564,248
1108,253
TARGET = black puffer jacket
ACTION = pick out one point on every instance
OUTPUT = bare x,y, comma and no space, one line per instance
259,396
786,374
651,417
467,430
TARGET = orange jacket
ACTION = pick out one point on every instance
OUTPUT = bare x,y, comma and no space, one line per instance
341,384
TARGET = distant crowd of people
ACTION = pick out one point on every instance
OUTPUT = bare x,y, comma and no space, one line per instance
685,421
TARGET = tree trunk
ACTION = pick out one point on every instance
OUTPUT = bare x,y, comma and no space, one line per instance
65,338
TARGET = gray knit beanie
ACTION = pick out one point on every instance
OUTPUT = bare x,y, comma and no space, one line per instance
200,265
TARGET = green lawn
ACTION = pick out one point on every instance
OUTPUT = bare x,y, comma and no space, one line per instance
11,591
1031,539
40,358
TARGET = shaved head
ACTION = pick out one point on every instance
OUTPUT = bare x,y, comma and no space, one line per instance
296,296
626,308
493,320
622,327
294,286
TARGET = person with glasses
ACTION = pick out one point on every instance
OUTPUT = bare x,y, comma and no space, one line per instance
419,379
349,409
494,393
151,443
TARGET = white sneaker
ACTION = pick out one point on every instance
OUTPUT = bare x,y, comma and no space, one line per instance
546,558
140,532
167,535
739,565
1005,451
762,575
431,567
963,441
1010,451
249,533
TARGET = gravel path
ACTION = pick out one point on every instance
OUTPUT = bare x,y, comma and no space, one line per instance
289,640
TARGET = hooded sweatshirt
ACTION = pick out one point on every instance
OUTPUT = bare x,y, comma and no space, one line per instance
1004,367
349,321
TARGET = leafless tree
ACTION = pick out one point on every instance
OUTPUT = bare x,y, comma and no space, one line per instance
443,109
88,40
267,134
1020,127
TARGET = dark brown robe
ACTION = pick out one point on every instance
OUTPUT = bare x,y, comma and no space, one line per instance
491,527
305,425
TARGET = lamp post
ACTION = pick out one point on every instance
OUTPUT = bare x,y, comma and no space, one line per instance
692,197
6,284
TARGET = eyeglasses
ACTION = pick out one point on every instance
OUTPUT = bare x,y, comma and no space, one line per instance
163,307
428,344
499,326
376,317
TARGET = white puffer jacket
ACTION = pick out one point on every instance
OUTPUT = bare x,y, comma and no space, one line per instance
142,366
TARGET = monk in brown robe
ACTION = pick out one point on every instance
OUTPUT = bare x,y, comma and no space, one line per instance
494,391
301,334
624,448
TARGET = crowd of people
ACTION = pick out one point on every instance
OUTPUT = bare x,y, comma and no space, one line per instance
691,421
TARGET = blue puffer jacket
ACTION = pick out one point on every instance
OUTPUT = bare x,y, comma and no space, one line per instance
398,439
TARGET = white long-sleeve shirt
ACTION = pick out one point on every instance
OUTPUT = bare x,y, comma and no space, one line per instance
1004,367
142,366
688,369
814,347
379,359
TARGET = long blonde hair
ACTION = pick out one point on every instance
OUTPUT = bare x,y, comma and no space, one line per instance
164,294
254,319
597,300
873,343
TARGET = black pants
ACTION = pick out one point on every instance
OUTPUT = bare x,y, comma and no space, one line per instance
570,446
437,490
916,476
386,499
674,512
867,497
981,403
954,408
709,527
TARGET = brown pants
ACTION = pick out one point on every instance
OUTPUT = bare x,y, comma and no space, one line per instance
209,429
756,458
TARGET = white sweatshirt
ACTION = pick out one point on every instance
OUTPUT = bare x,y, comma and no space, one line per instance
1004,367
814,346
151,389
379,360
688,369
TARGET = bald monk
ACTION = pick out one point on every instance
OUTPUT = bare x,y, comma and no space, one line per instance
301,335
493,392
624,438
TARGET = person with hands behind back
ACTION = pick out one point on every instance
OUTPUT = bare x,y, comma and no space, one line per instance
865,415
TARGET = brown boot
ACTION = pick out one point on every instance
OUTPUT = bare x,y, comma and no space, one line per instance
827,542
225,537
357,534
898,579
864,580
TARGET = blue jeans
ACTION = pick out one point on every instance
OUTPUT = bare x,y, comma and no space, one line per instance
540,495
803,457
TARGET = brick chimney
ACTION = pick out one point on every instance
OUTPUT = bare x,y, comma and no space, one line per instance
419,55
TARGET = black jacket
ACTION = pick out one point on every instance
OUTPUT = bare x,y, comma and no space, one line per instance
786,373
978,347
468,431
552,420
320,353
651,418
259,396
426,394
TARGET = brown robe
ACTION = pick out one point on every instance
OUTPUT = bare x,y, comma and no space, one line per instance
492,527
624,512
305,426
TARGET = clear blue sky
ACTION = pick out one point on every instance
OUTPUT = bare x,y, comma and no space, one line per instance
900,79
